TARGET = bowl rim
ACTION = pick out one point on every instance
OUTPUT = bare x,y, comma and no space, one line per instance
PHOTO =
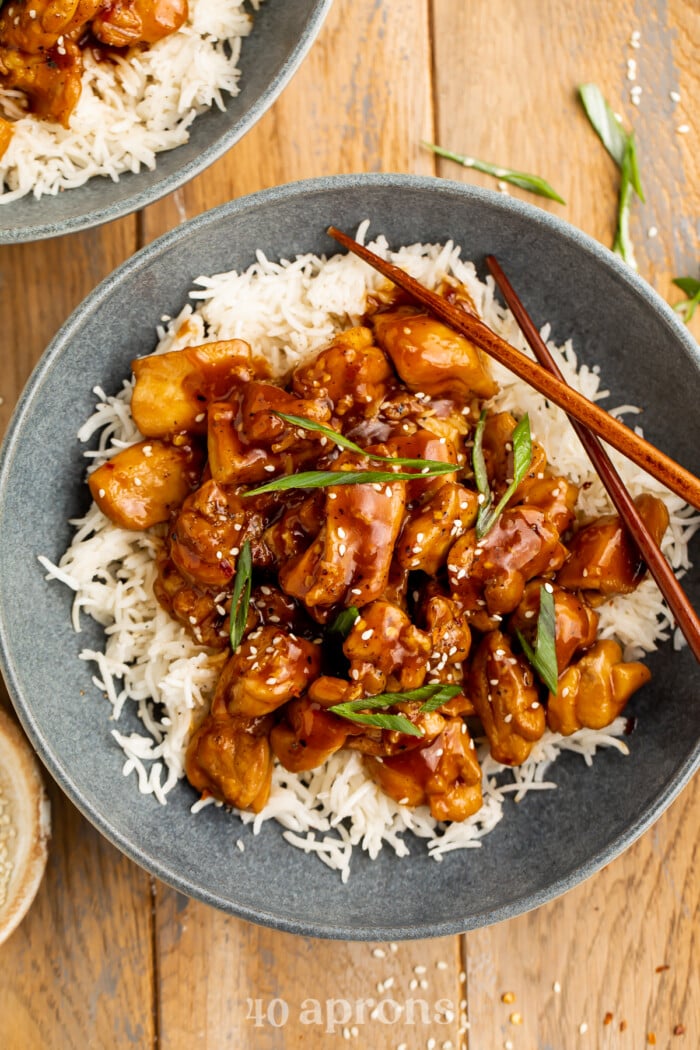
144,258
150,194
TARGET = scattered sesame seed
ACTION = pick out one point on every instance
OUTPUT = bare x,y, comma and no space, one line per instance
556,988
342,549
234,551
332,495
403,801
378,953
441,964
269,468
508,718
675,96
367,634
583,1028
270,681
683,129
102,493
219,555
652,231
138,482
342,533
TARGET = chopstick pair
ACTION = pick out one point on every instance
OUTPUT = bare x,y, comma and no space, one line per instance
583,414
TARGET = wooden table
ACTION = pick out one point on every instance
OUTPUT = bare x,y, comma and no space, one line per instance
109,957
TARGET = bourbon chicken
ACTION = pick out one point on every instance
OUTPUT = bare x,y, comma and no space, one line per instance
42,44
379,616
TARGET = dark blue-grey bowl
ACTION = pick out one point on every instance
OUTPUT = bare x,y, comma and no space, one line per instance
282,34
547,843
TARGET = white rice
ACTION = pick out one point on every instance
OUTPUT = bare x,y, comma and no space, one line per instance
288,312
130,108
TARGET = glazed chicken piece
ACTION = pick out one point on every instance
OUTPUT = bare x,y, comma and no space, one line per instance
488,576
50,79
602,556
207,536
450,641
575,622
349,561
387,653
430,530
444,774
143,484
129,22
505,698
595,690
33,26
352,372
422,444
230,759
430,357
203,614
308,735
270,667
248,443
172,391
555,497
295,530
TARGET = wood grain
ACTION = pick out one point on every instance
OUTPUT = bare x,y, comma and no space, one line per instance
101,961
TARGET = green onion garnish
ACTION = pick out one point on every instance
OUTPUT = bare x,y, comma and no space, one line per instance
344,621
543,658
533,183
344,442
688,306
622,149
434,696
522,457
321,479
481,477
240,599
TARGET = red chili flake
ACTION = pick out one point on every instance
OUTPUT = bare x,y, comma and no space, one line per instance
623,1026
679,1029
608,1018
660,969
651,1039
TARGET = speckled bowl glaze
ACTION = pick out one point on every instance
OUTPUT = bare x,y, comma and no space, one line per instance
545,845
282,34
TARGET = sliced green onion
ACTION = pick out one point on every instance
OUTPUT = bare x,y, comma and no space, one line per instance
481,477
240,599
344,621
533,183
321,479
344,442
433,696
688,306
522,458
622,245
543,658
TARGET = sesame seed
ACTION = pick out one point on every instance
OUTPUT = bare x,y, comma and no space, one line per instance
508,718
234,551
583,1028
378,953
192,619
102,493
200,417
332,495
403,801
441,965
342,549
342,533
683,129
138,482
237,527
148,450
270,681
675,96
556,988
356,590
219,555
367,634
269,468
652,231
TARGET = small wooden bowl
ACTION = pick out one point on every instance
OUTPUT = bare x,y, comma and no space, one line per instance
25,825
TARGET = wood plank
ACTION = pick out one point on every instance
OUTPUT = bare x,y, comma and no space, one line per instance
612,933
78,970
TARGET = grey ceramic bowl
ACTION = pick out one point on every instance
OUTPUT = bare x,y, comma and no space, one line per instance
283,33
546,844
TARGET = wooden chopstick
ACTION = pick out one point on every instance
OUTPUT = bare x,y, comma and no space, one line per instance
677,600
662,467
